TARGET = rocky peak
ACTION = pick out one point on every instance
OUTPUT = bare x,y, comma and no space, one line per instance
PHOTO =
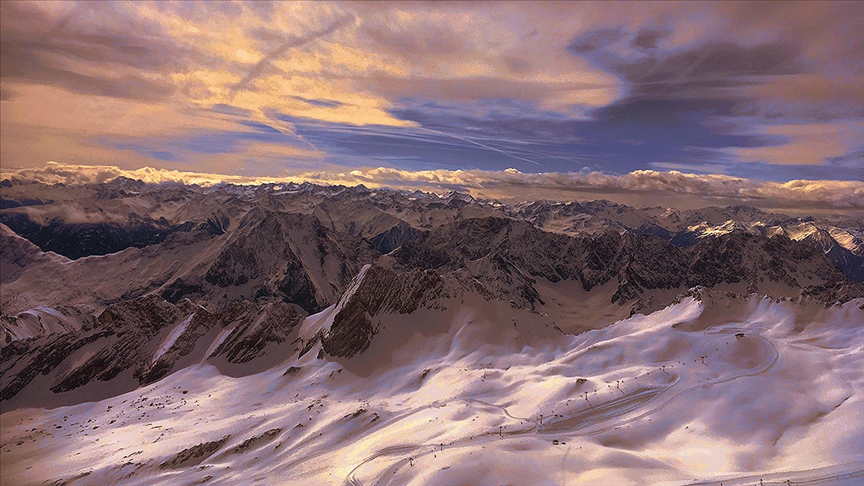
290,257
376,290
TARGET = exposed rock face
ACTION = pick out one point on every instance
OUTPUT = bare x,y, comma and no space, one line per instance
16,253
555,257
289,256
496,277
833,293
379,291
637,262
44,320
115,345
254,329
851,264
148,336
738,257
231,271
217,223
647,262
257,441
195,454
132,213
393,238
133,325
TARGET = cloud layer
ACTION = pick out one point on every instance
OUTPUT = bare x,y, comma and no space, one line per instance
671,188
767,91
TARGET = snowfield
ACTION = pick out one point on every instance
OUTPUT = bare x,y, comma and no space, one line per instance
715,389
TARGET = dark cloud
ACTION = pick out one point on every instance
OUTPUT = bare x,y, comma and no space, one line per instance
128,86
432,40
148,150
853,160
595,40
776,80
471,88
32,31
69,51
319,102
669,112
6,94
770,81
504,133
708,68
648,38
224,109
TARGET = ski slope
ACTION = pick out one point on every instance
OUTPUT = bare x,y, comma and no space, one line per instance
720,389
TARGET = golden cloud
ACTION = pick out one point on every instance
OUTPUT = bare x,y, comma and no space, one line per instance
81,71
672,188
805,143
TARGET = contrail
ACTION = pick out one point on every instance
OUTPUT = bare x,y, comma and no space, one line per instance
488,147
276,53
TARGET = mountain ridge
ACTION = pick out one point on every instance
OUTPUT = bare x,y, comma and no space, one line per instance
258,260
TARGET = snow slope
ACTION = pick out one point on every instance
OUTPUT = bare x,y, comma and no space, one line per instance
714,388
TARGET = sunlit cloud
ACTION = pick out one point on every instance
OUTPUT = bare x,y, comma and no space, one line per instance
806,143
762,91
693,190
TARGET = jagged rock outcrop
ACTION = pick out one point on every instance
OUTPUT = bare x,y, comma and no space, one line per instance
291,257
637,262
115,344
147,337
231,271
741,257
393,238
254,328
377,290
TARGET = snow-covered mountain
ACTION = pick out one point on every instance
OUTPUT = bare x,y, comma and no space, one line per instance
712,389
302,334
96,219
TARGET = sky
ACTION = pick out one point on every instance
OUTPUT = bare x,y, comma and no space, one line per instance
723,100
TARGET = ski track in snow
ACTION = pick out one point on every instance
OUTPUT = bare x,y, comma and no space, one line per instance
611,415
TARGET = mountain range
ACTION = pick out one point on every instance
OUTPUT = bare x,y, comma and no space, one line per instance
114,291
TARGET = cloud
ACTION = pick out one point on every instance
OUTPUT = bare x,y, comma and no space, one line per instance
671,188
73,174
852,160
595,40
710,69
806,143
120,57
265,61
648,38
554,87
